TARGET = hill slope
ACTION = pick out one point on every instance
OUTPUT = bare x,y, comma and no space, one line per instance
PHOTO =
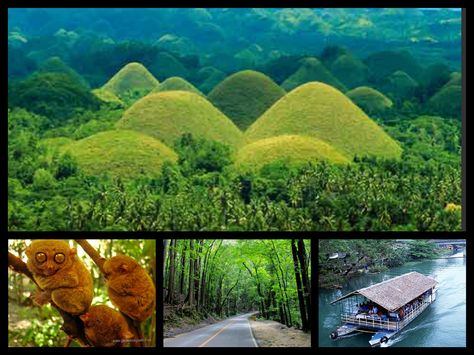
167,115
120,153
132,77
177,83
320,111
244,96
294,149
311,70
372,101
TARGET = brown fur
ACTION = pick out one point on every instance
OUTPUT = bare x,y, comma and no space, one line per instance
130,288
105,327
68,284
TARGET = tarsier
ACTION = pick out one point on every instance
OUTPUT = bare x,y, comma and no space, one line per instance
105,327
130,288
62,276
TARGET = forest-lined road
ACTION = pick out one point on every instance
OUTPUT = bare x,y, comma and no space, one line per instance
232,332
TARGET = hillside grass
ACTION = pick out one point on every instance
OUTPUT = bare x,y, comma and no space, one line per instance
321,111
132,77
127,154
372,101
447,101
244,96
170,114
293,149
108,97
177,83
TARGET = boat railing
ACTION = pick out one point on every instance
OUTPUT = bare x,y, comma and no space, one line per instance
413,313
370,322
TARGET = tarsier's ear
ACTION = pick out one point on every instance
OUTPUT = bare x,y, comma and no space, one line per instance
84,317
72,252
123,267
28,251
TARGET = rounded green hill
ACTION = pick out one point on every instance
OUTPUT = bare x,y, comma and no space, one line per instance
350,70
311,69
120,153
208,77
244,96
321,111
177,83
293,149
400,84
168,115
166,65
373,102
132,77
447,102
108,97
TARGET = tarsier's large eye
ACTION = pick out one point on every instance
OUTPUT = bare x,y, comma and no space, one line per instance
40,257
59,258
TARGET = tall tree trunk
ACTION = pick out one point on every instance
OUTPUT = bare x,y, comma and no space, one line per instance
305,278
171,272
299,287
191,273
183,269
165,249
286,302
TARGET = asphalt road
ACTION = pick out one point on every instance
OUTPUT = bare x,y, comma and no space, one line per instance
232,332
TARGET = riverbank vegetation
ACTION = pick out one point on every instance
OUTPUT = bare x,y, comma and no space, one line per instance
340,259
215,279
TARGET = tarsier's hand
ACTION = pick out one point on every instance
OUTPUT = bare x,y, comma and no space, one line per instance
41,297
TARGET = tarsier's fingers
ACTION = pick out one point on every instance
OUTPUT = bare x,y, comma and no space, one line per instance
41,297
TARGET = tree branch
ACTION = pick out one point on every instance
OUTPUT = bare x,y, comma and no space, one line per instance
94,255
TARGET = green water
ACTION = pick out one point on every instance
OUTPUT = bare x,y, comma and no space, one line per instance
443,324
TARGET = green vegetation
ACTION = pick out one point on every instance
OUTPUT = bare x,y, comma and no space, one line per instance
133,77
360,255
382,64
293,150
244,96
373,102
166,65
54,95
209,77
350,70
311,70
400,85
108,97
447,101
176,83
120,153
215,277
168,115
320,111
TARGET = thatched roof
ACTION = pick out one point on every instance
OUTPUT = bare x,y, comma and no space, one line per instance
394,293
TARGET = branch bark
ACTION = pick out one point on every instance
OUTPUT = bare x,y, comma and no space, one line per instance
94,255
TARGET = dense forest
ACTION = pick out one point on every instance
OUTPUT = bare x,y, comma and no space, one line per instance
219,278
340,259
32,326
146,125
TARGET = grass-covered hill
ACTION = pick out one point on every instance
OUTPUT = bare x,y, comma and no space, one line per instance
350,70
381,64
132,77
311,69
244,96
321,111
400,84
166,65
293,149
372,101
169,114
447,101
120,153
208,78
455,79
108,97
177,83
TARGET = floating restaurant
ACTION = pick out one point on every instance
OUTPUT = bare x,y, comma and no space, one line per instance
384,309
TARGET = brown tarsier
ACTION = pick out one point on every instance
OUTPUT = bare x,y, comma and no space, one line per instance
62,276
130,288
105,327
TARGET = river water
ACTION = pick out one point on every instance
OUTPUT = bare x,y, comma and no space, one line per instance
442,324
